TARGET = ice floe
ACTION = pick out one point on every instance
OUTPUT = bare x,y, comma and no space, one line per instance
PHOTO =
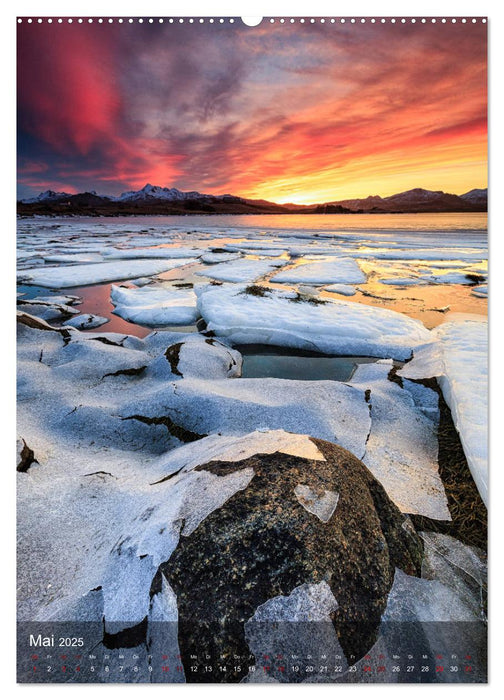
82,275
330,326
345,289
74,258
86,321
480,290
402,448
155,306
337,271
459,359
46,310
244,270
139,253
213,258
196,356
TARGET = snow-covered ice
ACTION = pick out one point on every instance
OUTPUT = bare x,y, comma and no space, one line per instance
345,289
458,357
82,275
331,327
402,447
214,258
336,271
139,253
47,310
155,306
86,321
481,290
244,270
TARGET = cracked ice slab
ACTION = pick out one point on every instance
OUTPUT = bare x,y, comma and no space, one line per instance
402,447
155,306
338,271
325,409
333,327
458,357
82,275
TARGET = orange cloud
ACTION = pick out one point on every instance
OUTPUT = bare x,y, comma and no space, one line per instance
299,114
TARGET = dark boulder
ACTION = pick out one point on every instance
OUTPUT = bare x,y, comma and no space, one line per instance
263,542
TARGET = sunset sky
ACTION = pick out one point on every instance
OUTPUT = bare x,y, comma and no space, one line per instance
289,113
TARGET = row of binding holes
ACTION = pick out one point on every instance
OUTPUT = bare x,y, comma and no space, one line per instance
292,20
120,20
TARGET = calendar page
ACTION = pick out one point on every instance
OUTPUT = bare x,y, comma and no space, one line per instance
252,349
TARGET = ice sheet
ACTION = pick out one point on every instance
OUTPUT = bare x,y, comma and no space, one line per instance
337,327
402,447
336,271
459,359
82,275
241,271
155,306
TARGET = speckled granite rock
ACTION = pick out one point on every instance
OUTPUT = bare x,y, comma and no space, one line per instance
265,541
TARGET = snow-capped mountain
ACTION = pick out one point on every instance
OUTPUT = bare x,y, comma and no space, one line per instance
169,200
47,196
149,192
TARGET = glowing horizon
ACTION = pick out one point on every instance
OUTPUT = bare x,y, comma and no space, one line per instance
291,114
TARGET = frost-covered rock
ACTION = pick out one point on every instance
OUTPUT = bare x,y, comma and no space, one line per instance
155,306
458,357
283,564
258,315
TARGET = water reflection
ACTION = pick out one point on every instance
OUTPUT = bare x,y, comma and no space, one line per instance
283,363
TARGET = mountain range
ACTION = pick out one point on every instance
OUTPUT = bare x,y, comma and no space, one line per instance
153,199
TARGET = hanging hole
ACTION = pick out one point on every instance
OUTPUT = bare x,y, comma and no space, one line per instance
251,21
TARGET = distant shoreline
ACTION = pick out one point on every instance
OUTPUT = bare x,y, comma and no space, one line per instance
108,215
